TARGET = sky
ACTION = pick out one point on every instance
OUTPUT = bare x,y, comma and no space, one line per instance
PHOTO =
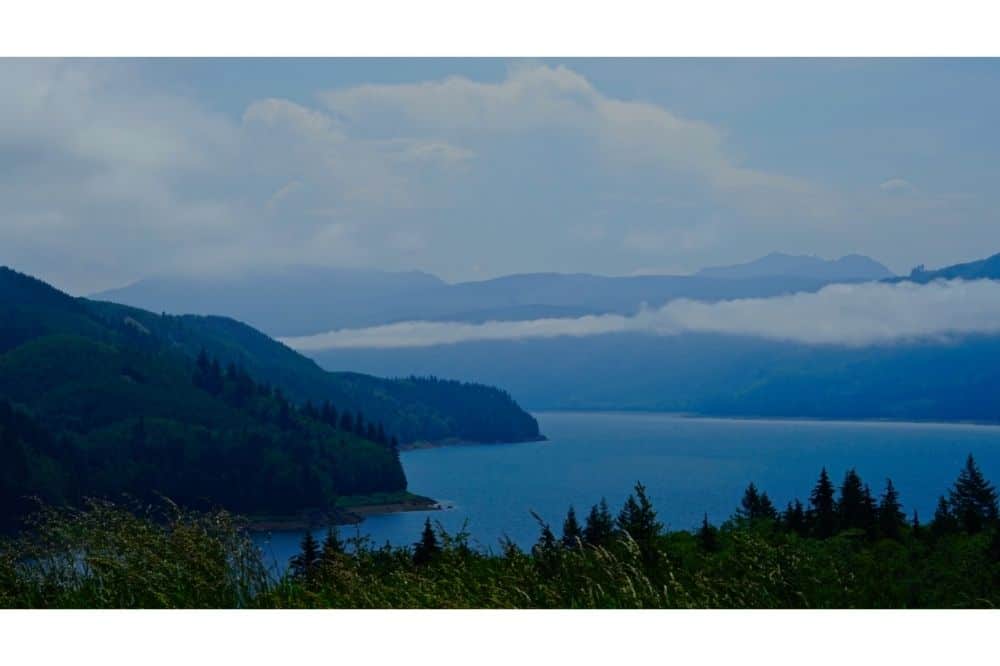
111,171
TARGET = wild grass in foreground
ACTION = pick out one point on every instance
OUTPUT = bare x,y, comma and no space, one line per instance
845,550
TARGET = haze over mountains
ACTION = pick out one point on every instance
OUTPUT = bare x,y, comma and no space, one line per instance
308,300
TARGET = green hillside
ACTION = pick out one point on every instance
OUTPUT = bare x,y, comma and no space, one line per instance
98,399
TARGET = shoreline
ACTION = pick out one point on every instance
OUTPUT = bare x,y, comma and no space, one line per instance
695,416
347,515
441,443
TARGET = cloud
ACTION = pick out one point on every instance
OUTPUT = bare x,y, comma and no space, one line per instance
534,98
843,314
897,186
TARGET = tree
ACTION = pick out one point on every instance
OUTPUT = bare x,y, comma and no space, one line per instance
304,564
333,547
823,512
944,520
794,517
638,518
851,508
346,422
599,527
756,506
891,518
973,499
572,534
546,544
427,548
707,536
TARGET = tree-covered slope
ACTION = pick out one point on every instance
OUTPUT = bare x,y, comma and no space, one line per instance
100,400
413,409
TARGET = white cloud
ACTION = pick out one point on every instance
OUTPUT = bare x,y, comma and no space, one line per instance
852,315
541,98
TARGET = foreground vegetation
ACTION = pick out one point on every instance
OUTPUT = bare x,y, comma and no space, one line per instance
845,550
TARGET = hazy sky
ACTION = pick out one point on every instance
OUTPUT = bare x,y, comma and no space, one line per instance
114,170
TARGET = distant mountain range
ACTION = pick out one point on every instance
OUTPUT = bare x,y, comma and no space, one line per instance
849,268
305,301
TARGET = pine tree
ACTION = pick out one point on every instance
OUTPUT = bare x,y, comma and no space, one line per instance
638,518
427,548
332,546
973,499
756,506
346,422
823,507
891,518
851,505
304,564
944,520
707,536
547,543
750,503
599,527
794,518
572,535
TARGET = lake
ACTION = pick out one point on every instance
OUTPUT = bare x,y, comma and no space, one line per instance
690,466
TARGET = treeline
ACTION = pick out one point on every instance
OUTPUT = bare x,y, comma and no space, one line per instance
135,427
844,549
237,387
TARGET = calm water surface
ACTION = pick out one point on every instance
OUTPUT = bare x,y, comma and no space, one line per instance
690,466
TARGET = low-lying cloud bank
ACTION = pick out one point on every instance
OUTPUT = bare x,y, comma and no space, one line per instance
842,314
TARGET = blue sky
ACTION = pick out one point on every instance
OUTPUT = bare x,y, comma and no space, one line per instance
113,170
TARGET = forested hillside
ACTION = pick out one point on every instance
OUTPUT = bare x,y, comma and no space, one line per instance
100,400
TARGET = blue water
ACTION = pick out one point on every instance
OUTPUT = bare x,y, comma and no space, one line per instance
690,466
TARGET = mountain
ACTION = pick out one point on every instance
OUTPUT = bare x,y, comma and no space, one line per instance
719,375
287,301
984,269
849,268
98,399
308,301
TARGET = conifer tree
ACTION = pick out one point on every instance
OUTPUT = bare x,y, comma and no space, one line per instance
707,536
547,543
599,527
851,505
346,422
304,564
891,518
638,518
427,548
332,546
794,518
973,499
944,520
756,505
823,507
572,535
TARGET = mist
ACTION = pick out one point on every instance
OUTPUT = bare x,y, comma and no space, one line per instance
841,314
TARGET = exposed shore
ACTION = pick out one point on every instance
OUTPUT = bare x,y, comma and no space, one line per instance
349,514
451,441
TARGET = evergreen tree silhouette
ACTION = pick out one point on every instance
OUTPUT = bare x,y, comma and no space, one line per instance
599,527
304,564
823,507
851,505
707,536
973,499
332,547
891,518
427,548
572,535
794,518
944,520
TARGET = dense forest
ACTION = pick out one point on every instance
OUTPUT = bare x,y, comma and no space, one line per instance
134,423
100,400
413,409
841,547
